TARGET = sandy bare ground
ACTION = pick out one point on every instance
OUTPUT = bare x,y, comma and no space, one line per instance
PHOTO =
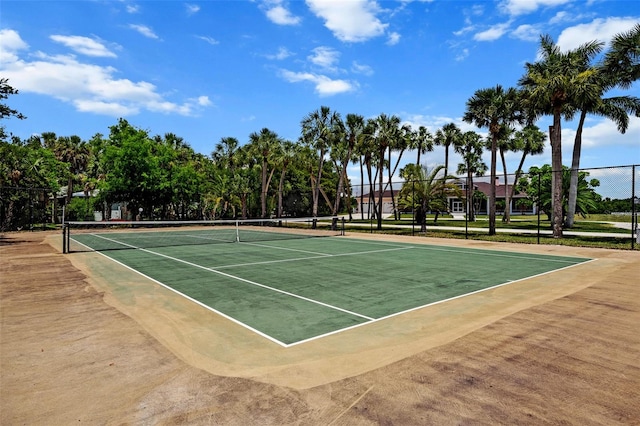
78,346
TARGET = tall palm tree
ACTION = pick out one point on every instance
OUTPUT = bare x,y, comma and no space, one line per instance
447,136
354,126
287,156
422,142
496,109
387,132
225,151
319,131
607,75
265,146
469,146
551,85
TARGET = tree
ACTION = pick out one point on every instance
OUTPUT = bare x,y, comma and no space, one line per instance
224,153
615,71
551,85
288,155
587,200
353,130
497,109
447,136
529,140
266,147
469,146
422,142
425,191
320,129
5,111
387,131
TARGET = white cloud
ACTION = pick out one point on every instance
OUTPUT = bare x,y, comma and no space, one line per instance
144,30
394,38
526,32
522,7
277,12
324,86
350,21
84,45
133,8
605,133
324,57
492,33
192,8
10,43
361,69
599,29
212,41
89,87
462,55
283,53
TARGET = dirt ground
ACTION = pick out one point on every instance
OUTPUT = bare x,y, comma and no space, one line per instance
78,346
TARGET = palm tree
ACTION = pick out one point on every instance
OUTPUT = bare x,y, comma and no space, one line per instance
497,109
354,129
387,132
422,142
425,191
264,146
529,140
604,77
469,146
551,85
225,151
446,137
287,155
319,130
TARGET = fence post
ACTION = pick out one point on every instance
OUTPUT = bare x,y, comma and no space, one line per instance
634,213
538,204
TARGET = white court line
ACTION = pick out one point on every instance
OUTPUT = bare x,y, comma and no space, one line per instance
432,304
323,256
283,248
317,302
476,251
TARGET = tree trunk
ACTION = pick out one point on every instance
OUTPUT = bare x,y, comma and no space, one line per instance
556,175
492,187
506,217
575,166
380,179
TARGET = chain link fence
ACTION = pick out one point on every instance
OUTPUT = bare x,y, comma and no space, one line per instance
605,212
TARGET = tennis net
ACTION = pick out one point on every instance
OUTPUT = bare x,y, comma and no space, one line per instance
121,235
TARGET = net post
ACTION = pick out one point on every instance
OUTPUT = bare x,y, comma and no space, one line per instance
65,236
237,231
342,227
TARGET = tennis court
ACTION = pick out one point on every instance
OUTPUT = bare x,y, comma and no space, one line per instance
291,290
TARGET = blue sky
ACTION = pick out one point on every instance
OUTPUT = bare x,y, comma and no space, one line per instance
211,69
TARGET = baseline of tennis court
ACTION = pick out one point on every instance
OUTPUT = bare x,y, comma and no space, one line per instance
295,290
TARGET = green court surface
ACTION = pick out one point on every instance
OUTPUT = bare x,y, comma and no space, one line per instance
294,290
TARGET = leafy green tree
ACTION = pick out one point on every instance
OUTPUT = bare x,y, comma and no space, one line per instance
538,187
133,173
5,111
425,191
